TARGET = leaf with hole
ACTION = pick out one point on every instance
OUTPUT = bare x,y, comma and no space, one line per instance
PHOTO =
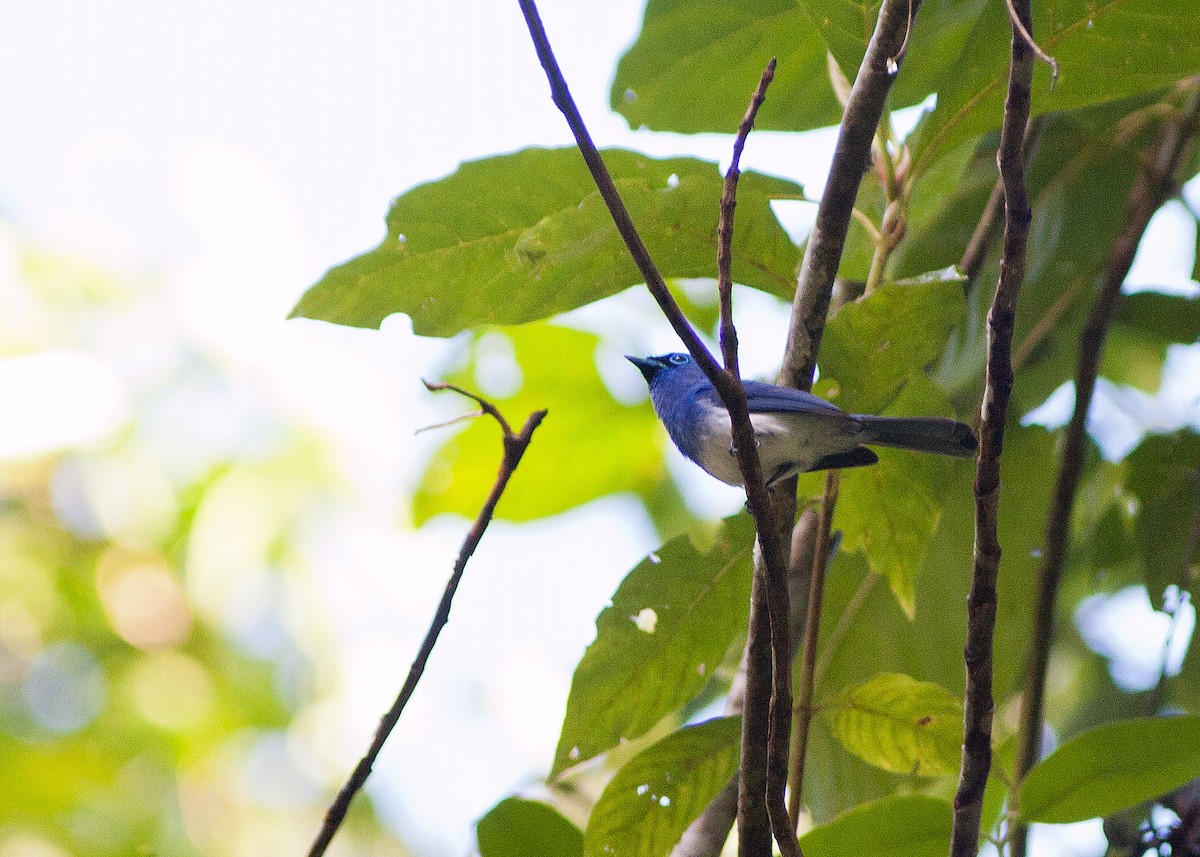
645,808
669,625
519,237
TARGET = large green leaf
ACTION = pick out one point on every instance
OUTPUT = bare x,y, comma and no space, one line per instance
889,511
1106,50
589,445
650,802
514,238
846,26
719,48
1164,474
899,724
1110,768
517,827
669,625
873,345
902,826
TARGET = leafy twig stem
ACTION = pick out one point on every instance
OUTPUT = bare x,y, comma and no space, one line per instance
514,448
812,624
979,703
1023,30
705,837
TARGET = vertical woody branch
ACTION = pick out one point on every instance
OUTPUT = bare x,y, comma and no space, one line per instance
979,703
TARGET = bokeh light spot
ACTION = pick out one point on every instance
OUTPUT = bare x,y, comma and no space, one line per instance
143,600
171,690
65,688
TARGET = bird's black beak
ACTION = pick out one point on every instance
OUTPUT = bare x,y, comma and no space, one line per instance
648,365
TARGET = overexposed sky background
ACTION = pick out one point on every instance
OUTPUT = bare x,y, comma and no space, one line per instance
233,151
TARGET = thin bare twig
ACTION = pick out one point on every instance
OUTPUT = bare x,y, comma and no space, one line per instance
1154,184
850,158
979,703
981,239
812,624
514,448
756,837
766,680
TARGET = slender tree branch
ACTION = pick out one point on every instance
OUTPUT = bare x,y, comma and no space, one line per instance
979,704
706,836
850,159
728,333
514,448
993,213
1155,183
812,624
981,239
755,834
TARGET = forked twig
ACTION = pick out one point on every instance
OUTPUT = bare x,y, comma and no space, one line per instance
514,448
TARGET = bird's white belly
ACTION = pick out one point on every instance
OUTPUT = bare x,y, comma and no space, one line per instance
793,441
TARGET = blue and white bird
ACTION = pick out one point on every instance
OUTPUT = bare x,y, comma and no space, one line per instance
797,432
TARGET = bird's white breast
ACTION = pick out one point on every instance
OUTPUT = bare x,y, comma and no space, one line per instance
794,442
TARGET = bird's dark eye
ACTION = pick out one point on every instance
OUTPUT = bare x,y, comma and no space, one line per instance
678,359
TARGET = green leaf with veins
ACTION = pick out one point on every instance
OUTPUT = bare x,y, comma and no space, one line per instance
669,625
899,724
889,511
901,826
645,808
873,345
1110,768
519,237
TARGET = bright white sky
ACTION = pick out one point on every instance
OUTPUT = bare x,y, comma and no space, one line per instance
238,148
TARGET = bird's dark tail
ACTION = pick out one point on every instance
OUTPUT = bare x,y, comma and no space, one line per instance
940,435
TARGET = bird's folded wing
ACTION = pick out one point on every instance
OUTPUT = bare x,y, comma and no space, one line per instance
768,399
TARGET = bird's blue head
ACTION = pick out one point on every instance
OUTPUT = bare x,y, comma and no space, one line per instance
663,365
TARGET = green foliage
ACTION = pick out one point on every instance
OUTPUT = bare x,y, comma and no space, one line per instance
889,511
903,826
899,724
668,628
1110,768
589,445
519,237
720,47
1163,475
517,827
872,346
1105,51
503,245
650,802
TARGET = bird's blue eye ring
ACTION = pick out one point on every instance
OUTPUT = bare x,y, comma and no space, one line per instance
678,359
